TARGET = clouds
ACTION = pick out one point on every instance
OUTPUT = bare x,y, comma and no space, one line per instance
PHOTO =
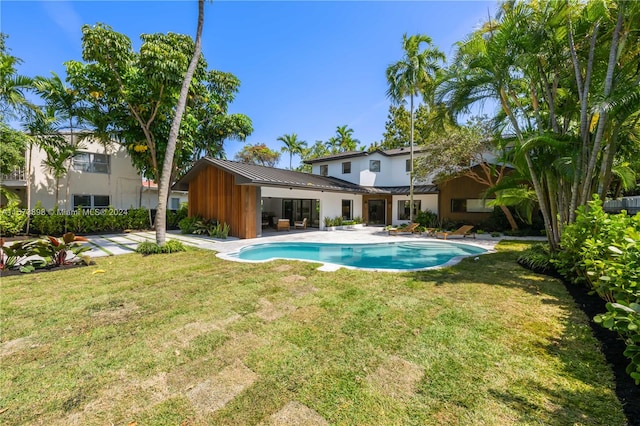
63,14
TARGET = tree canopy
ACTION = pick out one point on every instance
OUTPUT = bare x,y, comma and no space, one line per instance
565,76
138,93
259,154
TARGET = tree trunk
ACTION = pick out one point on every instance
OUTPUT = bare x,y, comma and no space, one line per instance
165,177
411,165
510,219
602,122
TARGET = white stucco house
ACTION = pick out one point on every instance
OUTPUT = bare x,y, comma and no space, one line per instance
97,177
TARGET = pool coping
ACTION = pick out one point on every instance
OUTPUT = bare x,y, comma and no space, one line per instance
332,267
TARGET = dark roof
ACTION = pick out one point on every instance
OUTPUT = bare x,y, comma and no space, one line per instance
351,154
402,190
254,175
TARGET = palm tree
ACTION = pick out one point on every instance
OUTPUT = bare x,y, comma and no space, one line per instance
65,103
167,166
12,85
414,74
344,139
292,145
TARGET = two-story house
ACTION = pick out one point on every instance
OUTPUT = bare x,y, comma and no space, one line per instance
371,185
97,176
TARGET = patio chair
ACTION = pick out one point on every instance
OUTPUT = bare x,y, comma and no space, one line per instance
406,230
464,232
300,224
283,224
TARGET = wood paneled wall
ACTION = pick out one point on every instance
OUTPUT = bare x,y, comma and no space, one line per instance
213,194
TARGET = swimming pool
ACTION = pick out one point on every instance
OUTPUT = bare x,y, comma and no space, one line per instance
392,256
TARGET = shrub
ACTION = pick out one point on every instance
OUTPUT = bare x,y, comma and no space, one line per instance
537,258
220,230
427,219
603,251
174,218
187,225
12,219
150,247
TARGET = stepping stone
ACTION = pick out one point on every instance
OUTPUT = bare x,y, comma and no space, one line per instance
396,377
294,413
213,394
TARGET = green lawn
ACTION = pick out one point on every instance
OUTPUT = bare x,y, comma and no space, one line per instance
190,339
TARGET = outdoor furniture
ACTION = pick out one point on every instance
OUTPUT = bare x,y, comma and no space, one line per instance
464,232
283,224
300,224
406,230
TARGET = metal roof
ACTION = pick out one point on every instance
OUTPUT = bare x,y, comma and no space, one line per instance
251,174
350,154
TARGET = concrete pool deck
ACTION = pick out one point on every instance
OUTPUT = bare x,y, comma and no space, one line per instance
117,244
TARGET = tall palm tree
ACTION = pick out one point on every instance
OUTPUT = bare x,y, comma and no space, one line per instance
66,105
12,85
167,166
414,75
344,139
292,145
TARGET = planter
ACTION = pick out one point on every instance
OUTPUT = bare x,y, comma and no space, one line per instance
344,227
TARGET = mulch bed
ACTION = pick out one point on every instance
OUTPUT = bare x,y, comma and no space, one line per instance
40,270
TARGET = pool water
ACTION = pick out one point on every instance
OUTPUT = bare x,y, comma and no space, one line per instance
390,256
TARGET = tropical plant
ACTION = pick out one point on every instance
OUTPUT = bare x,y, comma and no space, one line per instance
564,75
57,250
293,146
413,75
12,219
12,85
343,141
187,225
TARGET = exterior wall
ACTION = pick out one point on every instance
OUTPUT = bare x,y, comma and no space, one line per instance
427,202
330,202
214,194
150,197
122,184
392,170
460,187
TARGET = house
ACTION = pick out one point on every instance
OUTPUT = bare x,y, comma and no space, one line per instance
371,185
97,176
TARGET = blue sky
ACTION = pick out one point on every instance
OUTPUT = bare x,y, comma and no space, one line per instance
305,67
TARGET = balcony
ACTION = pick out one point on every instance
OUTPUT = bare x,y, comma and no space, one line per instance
17,178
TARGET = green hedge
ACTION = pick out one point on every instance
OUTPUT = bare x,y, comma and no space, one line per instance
602,251
86,221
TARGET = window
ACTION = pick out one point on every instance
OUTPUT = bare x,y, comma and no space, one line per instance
374,165
347,209
324,170
91,201
91,162
346,168
403,209
470,205
174,203
407,165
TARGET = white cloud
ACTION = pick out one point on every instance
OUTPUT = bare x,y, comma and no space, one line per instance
65,17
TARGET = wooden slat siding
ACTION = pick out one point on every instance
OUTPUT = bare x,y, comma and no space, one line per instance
460,187
214,194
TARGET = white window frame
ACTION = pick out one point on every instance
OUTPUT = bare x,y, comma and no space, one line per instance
87,162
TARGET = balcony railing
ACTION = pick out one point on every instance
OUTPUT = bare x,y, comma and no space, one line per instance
16,175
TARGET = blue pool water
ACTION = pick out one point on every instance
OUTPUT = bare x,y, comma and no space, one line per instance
392,256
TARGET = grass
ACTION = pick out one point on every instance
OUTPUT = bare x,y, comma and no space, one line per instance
190,339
